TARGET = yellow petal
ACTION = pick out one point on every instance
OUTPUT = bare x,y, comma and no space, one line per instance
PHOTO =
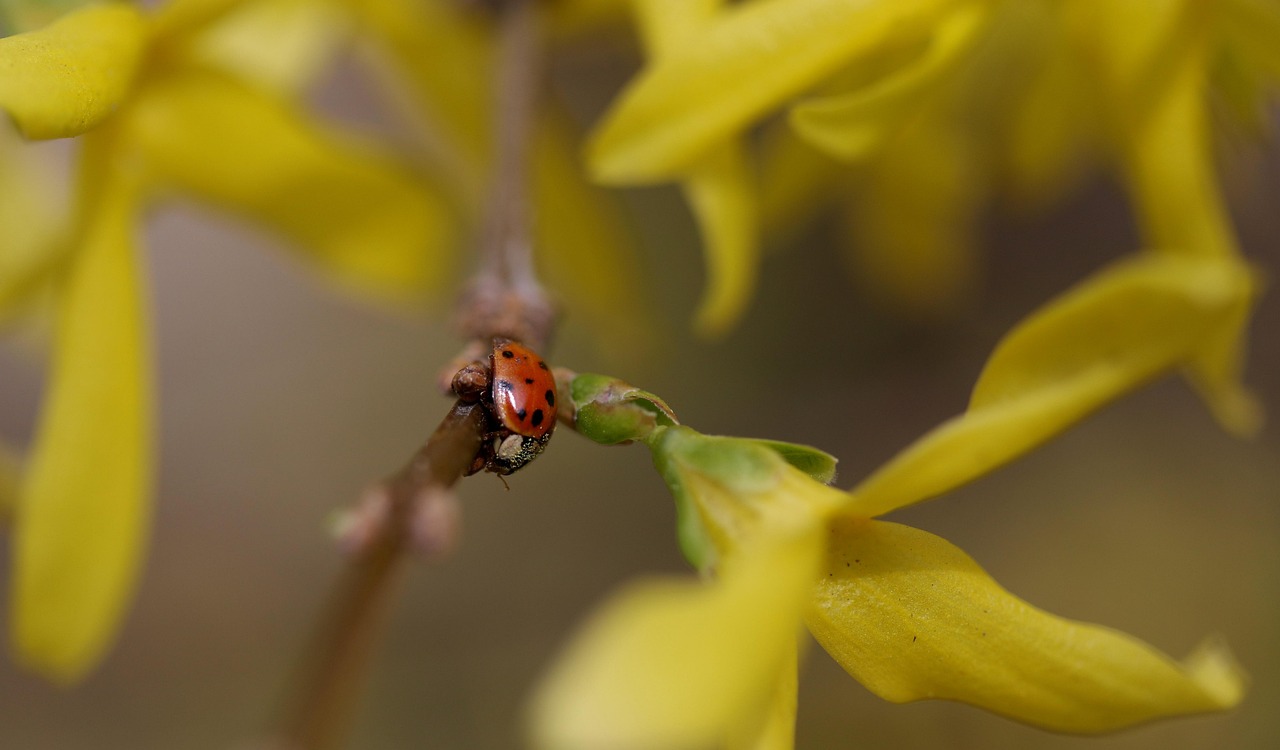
667,25
675,663
776,728
1172,174
364,219
720,188
64,79
853,125
181,18
910,616
82,517
1109,335
748,61
1174,181
281,45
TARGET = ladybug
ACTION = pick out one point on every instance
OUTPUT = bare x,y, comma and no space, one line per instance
520,396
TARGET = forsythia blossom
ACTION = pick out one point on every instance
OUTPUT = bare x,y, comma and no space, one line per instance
157,115
912,113
683,664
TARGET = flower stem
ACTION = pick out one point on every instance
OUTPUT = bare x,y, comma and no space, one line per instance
505,297
337,657
415,507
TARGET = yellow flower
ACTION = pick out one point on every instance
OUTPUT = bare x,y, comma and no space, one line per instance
686,664
157,116
918,97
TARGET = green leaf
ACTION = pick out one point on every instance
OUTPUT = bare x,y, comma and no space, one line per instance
818,464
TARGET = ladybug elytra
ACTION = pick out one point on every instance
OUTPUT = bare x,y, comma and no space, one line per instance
521,399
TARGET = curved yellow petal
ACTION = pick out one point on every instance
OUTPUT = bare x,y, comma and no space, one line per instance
1109,335
176,19
681,664
1175,187
359,215
281,45
853,125
749,60
1172,175
64,79
721,190
776,727
82,518
667,25
910,616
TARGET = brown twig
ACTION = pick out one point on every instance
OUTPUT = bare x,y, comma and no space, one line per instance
415,508
506,298
390,512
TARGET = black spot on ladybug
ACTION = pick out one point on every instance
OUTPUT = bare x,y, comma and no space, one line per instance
507,354
505,385
551,398
528,381
537,417
521,414
542,364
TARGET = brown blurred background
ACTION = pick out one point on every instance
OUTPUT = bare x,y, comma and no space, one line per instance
280,400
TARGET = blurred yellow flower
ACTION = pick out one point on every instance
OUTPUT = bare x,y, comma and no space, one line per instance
939,104
683,664
156,117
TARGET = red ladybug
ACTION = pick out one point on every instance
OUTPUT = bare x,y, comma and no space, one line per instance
521,398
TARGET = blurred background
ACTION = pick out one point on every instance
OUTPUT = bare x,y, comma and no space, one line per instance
280,400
